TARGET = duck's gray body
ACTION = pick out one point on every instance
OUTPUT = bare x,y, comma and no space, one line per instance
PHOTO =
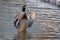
28,22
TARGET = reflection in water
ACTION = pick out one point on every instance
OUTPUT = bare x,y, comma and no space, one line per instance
22,36
36,36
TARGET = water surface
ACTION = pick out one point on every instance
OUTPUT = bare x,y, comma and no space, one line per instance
45,27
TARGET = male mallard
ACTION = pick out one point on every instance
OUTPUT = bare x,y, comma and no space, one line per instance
24,21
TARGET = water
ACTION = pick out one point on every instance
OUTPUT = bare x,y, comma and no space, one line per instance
45,27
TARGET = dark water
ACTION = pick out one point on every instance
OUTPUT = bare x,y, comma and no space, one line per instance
45,27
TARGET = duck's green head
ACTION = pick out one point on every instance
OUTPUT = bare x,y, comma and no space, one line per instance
24,8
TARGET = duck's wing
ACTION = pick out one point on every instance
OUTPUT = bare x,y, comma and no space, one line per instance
15,22
30,22
18,18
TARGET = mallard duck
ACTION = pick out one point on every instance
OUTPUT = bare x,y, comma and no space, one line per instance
24,21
